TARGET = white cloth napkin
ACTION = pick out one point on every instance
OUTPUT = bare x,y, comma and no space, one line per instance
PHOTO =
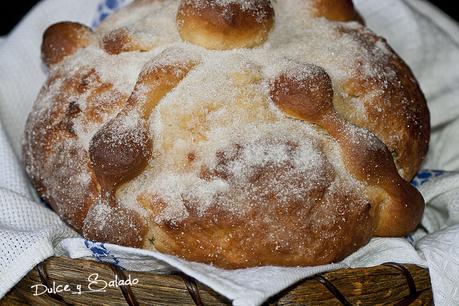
422,35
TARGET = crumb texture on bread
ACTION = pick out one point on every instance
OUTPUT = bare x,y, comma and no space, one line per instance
238,133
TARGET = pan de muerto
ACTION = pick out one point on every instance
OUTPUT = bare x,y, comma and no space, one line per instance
238,133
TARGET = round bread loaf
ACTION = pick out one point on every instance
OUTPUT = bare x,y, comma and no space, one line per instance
237,133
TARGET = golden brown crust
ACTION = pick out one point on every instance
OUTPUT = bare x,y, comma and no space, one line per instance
398,205
213,25
325,227
224,242
52,154
404,125
118,151
119,40
63,39
336,10
123,227
311,185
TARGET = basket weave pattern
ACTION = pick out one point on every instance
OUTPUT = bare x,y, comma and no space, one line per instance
389,283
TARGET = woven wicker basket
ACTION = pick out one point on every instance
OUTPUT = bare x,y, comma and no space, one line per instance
387,284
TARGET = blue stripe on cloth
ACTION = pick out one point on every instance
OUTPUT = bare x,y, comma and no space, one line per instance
105,8
426,175
100,252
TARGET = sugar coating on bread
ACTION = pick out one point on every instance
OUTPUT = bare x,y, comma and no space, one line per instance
241,168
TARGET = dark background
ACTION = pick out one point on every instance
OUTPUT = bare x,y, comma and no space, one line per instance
12,13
